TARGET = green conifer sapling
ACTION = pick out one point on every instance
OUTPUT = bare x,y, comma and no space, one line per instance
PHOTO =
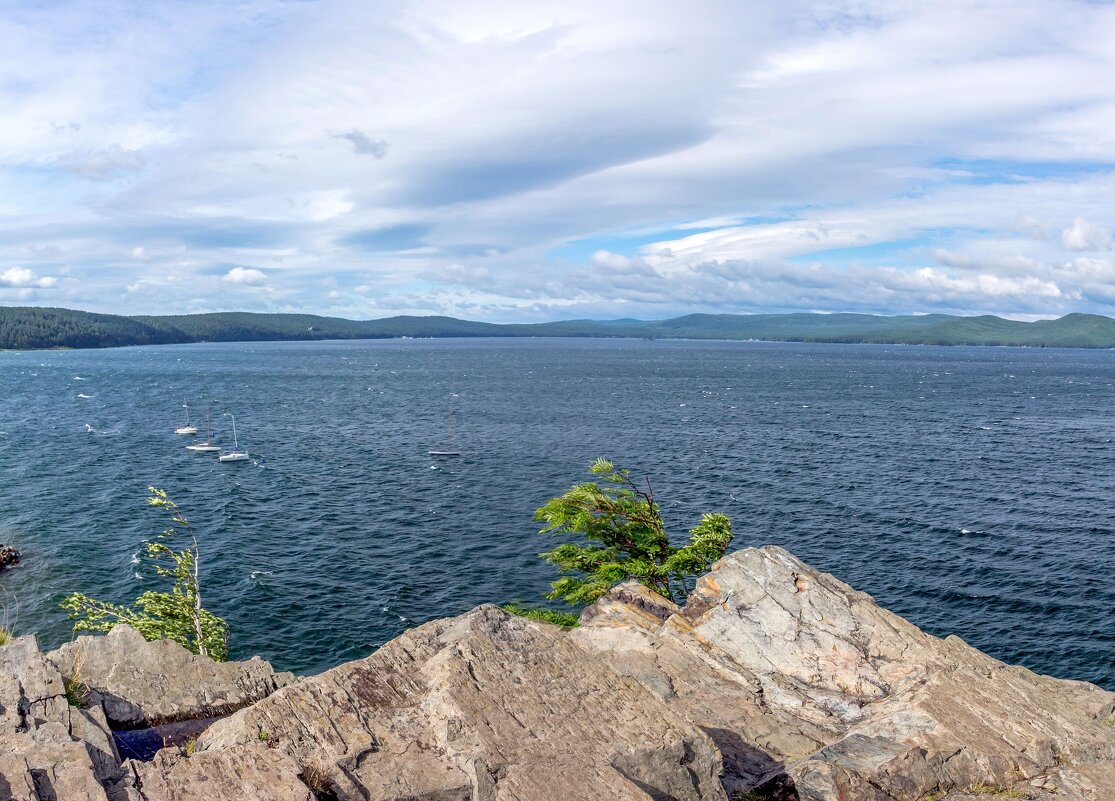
623,537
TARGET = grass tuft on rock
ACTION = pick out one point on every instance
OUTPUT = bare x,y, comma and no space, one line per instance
995,792
317,780
77,691
540,614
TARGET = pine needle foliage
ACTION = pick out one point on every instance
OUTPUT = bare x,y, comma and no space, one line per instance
175,615
622,536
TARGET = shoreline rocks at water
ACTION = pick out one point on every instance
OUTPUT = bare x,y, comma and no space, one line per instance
8,556
774,682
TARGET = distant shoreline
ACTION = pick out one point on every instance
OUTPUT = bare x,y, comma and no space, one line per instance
39,328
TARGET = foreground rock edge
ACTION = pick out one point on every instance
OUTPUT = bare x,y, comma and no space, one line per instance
775,681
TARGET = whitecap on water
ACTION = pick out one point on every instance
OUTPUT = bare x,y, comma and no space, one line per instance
83,395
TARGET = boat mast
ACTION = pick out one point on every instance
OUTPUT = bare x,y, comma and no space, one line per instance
235,441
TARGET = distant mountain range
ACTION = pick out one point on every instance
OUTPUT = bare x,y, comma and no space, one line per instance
25,328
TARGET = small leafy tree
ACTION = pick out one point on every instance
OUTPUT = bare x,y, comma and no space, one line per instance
623,537
175,615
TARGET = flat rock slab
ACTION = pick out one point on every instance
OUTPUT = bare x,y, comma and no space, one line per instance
141,684
482,707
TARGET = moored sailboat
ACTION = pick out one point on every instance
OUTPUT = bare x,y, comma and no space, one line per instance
186,429
236,454
207,446
449,447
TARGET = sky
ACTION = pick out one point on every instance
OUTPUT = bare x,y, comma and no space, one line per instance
511,161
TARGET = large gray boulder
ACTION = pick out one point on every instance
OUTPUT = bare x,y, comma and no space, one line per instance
814,692
140,683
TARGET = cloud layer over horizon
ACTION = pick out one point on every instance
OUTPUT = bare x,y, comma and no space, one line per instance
507,162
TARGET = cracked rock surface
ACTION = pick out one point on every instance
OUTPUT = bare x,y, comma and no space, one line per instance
775,681
49,751
482,706
814,692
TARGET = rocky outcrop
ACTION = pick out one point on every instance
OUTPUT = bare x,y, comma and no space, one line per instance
775,682
140,683
813,691
483,706
8,556
48,749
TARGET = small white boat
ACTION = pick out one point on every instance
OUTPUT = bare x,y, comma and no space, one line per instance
186,429
207,446
236,454
448,451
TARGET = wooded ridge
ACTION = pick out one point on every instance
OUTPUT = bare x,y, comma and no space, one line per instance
27,328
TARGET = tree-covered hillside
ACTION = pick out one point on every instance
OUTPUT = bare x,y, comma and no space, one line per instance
23,328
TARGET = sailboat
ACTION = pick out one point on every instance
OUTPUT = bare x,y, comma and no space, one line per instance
235,455
186,429
207,446
449,449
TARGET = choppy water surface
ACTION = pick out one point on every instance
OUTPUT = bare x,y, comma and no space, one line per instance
971,490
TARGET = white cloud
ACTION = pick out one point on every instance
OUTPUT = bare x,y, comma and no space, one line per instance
1085,236
22,278
772,155
249,276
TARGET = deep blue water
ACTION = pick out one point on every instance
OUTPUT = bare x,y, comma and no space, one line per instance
971,490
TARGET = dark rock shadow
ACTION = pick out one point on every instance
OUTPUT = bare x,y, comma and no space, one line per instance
751,771
143,744
44,790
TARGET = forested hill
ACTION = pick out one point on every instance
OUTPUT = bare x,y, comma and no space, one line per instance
25,328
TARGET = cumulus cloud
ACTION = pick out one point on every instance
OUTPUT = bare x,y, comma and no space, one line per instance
363,144
22,278
1085,236
248,276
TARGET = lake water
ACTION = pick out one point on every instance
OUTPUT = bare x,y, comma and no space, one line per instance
971,490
